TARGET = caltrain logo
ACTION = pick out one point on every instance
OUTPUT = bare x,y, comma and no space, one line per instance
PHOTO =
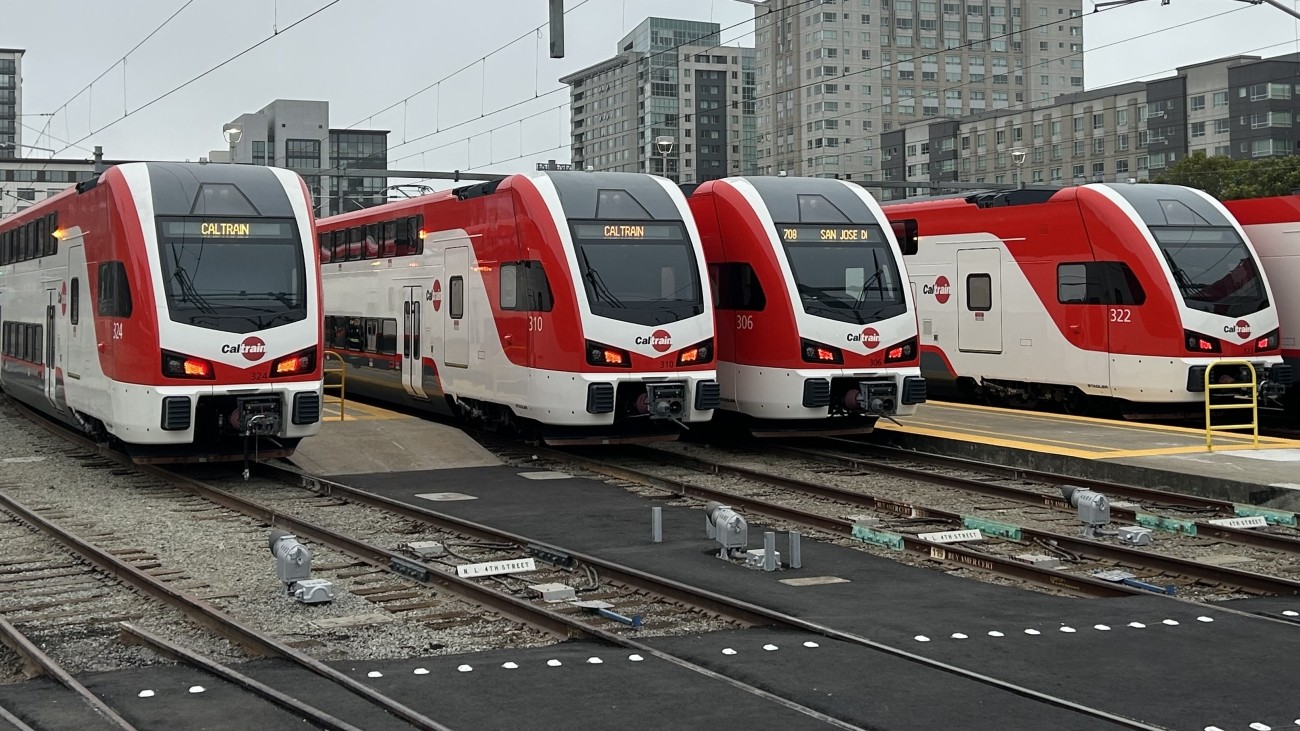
1241,329
941,289
436,295
868,337
660,340
253,348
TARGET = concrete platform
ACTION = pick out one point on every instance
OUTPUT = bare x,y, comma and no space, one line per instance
1152,455
1173,664
357,437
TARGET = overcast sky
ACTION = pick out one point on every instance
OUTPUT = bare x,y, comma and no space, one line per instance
364,55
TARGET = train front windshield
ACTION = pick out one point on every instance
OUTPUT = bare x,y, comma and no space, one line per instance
1213,269
844,272
233,275
642,272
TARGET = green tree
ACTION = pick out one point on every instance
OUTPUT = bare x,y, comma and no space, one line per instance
1228,179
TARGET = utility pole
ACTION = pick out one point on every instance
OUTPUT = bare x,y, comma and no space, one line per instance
557,28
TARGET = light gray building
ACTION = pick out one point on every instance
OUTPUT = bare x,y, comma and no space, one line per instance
835,75
25,181
295,134
672,102
11,102
1244,107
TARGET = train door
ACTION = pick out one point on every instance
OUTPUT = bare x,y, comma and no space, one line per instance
51,377
78,353
979,310
1079,288
455,328
412,347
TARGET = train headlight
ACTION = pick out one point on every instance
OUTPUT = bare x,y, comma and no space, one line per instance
177,365
697,354
1268,342
902,352
1198,343
296,364
603,355
815,352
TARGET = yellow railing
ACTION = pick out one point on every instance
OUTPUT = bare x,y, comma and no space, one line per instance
1210,408
343,378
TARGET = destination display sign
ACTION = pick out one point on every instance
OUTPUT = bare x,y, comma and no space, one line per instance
829,233
641,230
227,229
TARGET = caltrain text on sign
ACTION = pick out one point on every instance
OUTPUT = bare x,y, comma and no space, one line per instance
225,229
625,232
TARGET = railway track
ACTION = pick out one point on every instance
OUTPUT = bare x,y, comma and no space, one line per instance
996,557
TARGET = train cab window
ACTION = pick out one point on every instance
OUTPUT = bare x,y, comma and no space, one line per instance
388,242
524,286
74,301
979,292
114,296
388,336
1098,283
736,287
456,298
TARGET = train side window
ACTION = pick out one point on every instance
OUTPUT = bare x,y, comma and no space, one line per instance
510,286
979,292
51,225
4,247
355,338
356,242
388,336
371,249
402,240
340,243
74,301
738,287
38,238
417,231
35,343
456,297
372,335
388,242
114,298
323,240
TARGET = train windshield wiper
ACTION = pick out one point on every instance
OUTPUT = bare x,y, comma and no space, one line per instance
598,287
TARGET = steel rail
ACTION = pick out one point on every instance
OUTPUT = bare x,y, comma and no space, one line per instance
1127,556
208,616
28,650
578,627
694,595
174,651
13,720
1272,541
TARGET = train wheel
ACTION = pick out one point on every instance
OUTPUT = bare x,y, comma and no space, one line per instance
1075,402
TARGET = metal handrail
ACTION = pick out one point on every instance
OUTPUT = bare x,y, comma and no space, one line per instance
342,370
1253,405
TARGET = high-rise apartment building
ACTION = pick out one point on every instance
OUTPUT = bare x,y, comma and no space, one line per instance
672,102
11,102
834,75
295,134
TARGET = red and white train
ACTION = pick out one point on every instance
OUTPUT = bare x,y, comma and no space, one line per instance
173,309
1063,295
1273,227
568,306
816,325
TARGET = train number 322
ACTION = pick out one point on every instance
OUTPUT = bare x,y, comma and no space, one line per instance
1121,314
